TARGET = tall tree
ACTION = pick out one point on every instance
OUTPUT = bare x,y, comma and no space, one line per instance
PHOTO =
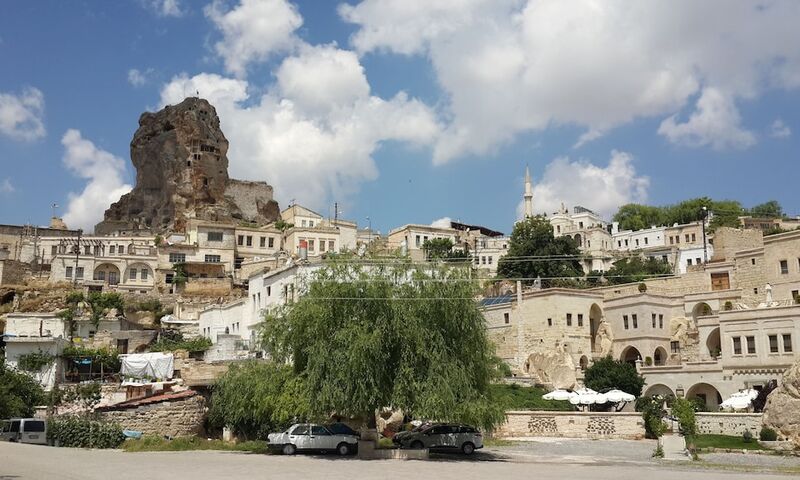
636,269
770,209
533,251
607,373
19,393
364,338
637,217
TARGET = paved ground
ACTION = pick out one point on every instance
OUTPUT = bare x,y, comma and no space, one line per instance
576,460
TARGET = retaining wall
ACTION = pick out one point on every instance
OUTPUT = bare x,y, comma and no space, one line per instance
520,424
720,423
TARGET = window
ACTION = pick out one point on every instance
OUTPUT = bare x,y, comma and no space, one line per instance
751,344
784,267
697,261
795,295
773,344
688,262
654,320
112,249
101,275
240,240
753,261
304,223
87,250
626,242
300,430
694,237
214,236
580,319
687,238
635,321
168,278
418,240
625,321
213,259
269,291
637,242
490,260
645,240
580,224
271,242
249,240
675,346
483,260
319,430
262,242
54,250
569,319
505,318
144,274
133,274
671,240
177,258
79,273
68,273
34,426
660,320
311,223
330,245
737,345
787,343
619,243
311,245
549,322
755,291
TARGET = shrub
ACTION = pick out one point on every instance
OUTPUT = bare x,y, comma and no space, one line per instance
652,409
107,357
747,436
85,433
684,411
767,435
658,452
171,341
642,287
35,361
728,306
608,373
19,393
648,361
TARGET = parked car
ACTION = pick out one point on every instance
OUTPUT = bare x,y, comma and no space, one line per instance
25,430
446,437
312,437
339,428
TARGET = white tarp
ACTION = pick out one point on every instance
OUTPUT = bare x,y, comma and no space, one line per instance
157,365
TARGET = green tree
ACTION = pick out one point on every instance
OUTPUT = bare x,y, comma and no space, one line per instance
256,398
770,209
19,393
653,412
437,248
533,251
634,216
363,338
636,269
684,411
607,373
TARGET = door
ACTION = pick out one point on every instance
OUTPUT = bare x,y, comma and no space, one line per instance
321,438
300,437
436,436
113,278
33,431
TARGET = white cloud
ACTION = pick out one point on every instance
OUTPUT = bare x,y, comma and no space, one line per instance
511,66
443,222
139,78
166,8
6,187
313,133
601,189
21,115
104,172
253,30
780,129
715,122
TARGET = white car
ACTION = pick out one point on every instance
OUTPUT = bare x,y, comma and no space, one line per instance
311,437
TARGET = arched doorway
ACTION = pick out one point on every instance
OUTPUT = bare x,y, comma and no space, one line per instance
108,273
713,343
578,240
707,393
659,356
630,355
659,389
595,317
700,310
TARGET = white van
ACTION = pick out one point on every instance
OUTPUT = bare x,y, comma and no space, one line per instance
25,430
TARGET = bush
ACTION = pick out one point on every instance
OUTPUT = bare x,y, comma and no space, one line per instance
34,362
171,341
768,435
19,393
728,306
747,436
85,433
642,287
648,361
684,411
652,409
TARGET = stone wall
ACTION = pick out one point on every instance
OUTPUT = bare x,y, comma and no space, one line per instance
521,424
728,241
12,272
718,423
177,418
196,373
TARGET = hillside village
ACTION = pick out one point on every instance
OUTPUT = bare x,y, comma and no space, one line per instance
188,276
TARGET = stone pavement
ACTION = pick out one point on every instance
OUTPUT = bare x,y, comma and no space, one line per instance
674,446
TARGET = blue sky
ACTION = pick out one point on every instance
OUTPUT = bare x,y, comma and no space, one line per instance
407,112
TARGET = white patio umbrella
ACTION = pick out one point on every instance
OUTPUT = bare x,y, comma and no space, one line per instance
586,396
557,394
740,400
616,396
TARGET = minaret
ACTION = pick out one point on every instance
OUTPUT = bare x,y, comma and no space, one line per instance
528,196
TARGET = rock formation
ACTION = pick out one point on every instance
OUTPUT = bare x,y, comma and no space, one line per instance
554,368
181,166
782,411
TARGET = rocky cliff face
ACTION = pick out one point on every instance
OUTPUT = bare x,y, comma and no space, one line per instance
782,411
181,166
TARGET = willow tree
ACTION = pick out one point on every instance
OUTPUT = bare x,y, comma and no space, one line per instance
389,335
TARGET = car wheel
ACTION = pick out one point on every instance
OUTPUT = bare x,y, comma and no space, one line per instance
468,448
289,449
417,445
343,449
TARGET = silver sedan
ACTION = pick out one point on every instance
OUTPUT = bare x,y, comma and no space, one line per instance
311,437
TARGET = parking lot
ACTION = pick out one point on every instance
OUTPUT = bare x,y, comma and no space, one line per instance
545,459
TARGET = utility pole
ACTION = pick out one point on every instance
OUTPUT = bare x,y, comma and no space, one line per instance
705,243
77,258
335,214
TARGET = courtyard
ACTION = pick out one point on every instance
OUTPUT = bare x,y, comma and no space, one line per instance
541,459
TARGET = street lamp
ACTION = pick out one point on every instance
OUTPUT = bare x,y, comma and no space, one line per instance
705,244
369,228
